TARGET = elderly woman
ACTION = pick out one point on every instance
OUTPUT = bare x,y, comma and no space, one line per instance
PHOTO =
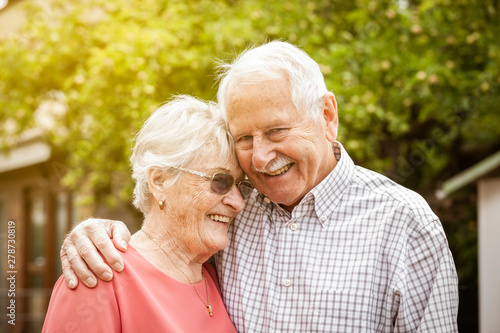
189,187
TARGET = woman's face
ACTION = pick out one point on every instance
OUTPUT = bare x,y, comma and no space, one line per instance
200,217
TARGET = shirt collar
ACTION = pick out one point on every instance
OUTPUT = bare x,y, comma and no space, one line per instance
328,193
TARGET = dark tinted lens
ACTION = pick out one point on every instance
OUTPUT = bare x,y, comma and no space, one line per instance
222,183
245,188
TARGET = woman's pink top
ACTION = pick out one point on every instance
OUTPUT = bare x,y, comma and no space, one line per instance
139,299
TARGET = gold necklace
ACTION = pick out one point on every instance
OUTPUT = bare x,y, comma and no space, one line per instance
207,304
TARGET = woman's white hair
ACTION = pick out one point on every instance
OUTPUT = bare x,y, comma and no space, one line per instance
176,135
273,61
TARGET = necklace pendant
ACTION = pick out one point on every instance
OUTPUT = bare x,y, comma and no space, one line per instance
209,309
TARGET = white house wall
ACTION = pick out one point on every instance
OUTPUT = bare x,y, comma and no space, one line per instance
489,254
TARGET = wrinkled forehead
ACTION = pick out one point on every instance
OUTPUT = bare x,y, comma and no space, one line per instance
261,105
236,82
218,158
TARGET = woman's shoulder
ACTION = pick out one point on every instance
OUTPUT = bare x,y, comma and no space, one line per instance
80,308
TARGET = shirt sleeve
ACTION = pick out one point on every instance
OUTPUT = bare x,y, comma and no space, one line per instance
429,301
442,308
82,309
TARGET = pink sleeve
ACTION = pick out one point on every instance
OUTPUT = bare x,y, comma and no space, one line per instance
82,309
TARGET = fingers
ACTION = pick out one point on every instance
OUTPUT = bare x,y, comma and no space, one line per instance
120,235
117,236
74,266
80,252
69,274
86,237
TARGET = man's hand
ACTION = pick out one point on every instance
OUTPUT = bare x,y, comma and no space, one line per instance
80,249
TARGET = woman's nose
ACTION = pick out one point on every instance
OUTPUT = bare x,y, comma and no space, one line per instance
234,199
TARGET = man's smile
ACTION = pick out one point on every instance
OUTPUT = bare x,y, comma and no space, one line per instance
280,171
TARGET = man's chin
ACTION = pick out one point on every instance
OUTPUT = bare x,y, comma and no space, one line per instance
284,198
277,190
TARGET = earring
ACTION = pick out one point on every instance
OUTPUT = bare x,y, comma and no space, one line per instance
161,204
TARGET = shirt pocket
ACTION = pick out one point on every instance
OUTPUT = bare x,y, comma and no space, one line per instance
340,311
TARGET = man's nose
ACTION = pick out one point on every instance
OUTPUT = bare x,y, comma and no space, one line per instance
262,153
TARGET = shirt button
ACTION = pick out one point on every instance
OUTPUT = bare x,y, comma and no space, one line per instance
293,226
267,200
287,282
323,218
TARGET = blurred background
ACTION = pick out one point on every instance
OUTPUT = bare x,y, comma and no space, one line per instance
417,84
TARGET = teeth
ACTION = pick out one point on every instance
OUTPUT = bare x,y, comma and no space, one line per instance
280,171
219,218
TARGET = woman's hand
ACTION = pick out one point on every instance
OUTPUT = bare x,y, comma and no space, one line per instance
79,253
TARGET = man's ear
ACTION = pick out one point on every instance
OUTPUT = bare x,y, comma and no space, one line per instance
156,178
330,116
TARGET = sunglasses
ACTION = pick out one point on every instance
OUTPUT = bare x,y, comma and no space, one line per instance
221,183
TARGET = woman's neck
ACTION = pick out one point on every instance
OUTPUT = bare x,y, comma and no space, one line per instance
165,253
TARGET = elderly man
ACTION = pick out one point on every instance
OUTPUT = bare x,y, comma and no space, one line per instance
322,245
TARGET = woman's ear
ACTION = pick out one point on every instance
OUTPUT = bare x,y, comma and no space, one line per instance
156,178
330,116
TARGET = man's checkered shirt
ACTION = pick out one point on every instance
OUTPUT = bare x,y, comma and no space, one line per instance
360,253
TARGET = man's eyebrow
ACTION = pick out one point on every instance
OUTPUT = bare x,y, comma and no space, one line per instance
237,134
274,124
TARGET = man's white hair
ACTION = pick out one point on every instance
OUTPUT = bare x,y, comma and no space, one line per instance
273,61
178,134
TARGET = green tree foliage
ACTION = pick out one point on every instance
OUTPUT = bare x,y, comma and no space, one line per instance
417,82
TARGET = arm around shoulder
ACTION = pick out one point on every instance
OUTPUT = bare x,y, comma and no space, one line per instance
80,257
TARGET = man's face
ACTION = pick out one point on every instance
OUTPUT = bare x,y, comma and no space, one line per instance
284,153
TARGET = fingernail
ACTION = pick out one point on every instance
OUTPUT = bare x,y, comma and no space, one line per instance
107,276
72,284
118,267
91,282
123,244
